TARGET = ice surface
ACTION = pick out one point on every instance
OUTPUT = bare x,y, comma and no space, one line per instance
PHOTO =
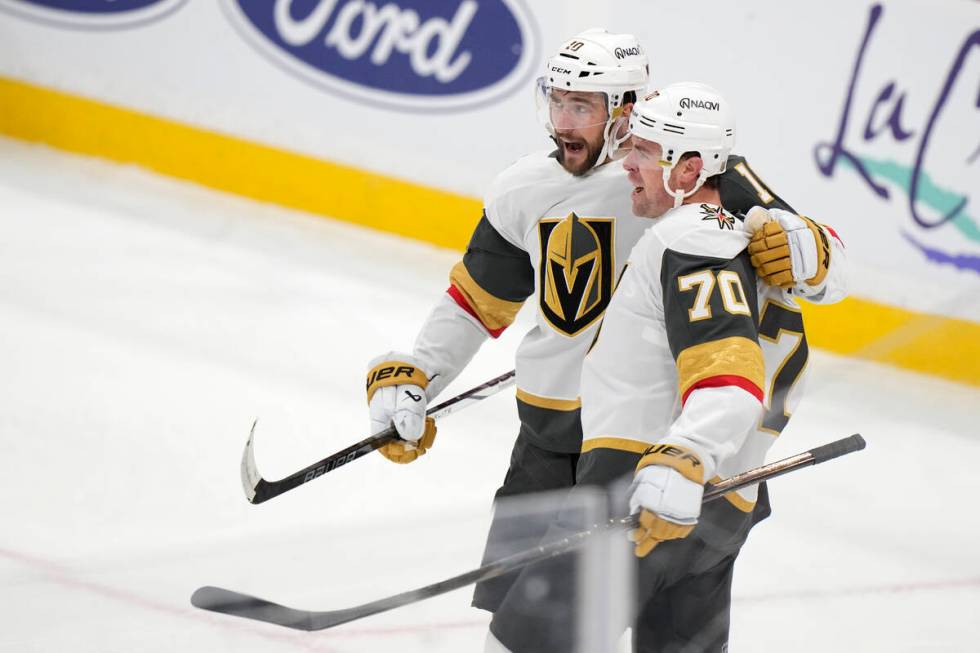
146,322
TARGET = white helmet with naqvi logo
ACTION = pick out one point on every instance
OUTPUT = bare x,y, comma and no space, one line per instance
597,61
686,117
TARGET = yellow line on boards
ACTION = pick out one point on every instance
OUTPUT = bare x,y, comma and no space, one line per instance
933,344
923,342
235,165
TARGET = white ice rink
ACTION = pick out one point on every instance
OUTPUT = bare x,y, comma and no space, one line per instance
145,322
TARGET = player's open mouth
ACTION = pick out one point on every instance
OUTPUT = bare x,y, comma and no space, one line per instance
572,146
638,190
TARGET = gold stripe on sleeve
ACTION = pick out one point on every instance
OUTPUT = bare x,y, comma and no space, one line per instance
495,313
735,356
620,444
548,402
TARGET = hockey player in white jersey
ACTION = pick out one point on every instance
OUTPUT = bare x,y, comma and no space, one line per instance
557,226
695,371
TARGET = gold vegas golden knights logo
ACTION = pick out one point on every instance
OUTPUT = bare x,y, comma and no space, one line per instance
576,271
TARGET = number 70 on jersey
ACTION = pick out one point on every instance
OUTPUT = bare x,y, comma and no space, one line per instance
781,336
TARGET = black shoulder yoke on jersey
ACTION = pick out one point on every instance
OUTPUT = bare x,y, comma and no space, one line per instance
741,189
497,266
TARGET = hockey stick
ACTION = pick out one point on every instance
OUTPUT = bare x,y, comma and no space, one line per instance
216,599
257,489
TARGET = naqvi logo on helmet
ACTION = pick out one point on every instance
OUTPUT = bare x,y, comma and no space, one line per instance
622,53
404,54
694,103
91,14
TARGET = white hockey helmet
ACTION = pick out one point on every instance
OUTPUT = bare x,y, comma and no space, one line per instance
686,117
596,61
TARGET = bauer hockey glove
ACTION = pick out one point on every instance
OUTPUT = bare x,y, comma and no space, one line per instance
786,248
666,492
396,387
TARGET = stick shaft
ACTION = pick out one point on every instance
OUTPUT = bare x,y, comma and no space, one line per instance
814,456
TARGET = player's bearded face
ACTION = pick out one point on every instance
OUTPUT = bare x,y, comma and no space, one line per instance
579,121
645,172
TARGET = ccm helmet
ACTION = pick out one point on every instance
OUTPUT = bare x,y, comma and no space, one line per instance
686,117
597,61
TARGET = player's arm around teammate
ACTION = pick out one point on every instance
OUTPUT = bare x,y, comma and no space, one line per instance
789,250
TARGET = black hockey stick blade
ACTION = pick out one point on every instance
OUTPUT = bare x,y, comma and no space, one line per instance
258,489
216,599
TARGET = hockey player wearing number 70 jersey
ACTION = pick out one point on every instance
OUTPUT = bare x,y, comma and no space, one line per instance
694,373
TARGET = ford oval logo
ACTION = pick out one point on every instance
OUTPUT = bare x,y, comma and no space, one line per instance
404,54
91,14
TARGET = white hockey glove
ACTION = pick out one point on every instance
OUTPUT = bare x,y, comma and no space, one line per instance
786,248
396,386
666,492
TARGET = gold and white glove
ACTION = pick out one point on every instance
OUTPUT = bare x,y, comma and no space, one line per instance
666,492
396,386
787,249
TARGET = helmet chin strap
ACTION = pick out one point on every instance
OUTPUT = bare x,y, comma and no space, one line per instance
611,142
679,195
